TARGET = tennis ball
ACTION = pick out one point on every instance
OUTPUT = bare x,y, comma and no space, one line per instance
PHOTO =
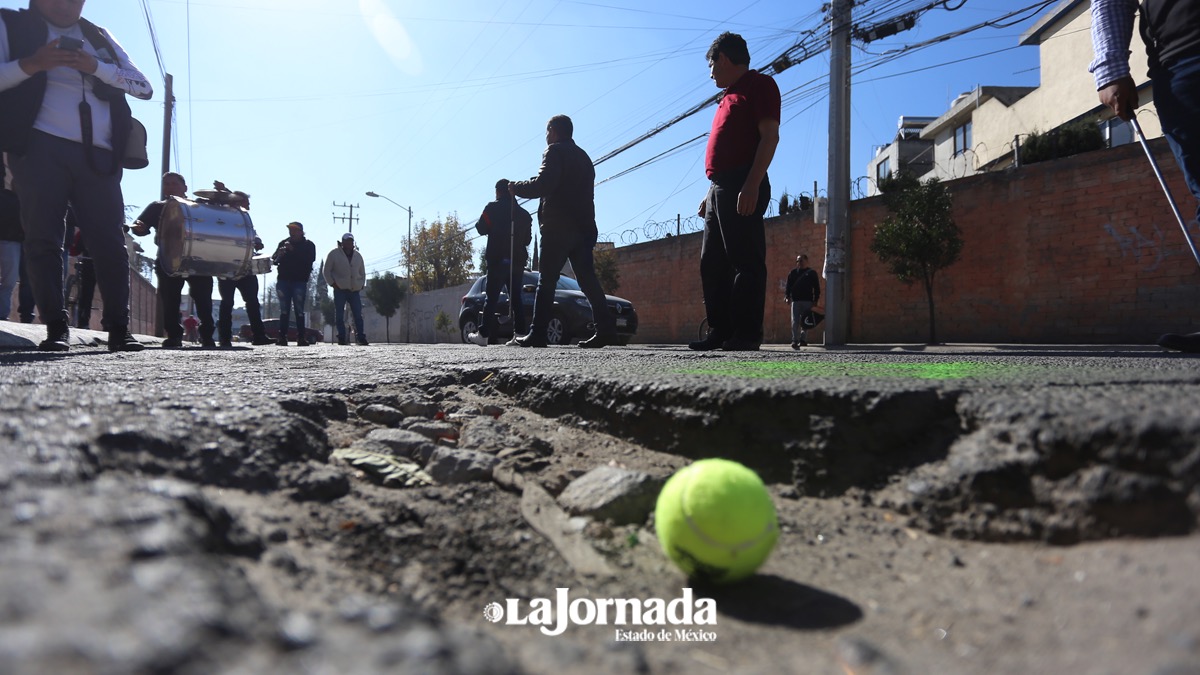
716,521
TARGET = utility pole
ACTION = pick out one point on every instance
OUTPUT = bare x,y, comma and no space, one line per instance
350,217
168,115
837,231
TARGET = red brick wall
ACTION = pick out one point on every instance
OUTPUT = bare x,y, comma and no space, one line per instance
1081,250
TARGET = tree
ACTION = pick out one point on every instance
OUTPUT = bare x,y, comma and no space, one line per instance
919,237
326,307
607,271
440,255
270,305
385,293
443,323
319,291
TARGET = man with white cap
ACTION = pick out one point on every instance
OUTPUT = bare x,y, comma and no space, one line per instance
346,273
293,260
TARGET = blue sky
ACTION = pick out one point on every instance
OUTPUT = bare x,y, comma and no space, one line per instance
308,103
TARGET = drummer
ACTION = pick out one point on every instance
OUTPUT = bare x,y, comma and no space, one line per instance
170,289
247,285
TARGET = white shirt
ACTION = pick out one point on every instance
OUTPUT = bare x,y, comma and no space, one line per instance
65,87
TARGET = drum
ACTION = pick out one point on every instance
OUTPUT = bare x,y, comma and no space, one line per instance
200,239
260,264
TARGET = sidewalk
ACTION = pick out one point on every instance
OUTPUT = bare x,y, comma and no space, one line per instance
26,336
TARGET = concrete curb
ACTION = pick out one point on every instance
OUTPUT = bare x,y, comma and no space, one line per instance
27,336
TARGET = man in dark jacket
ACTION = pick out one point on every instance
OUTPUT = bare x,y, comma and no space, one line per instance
567,219
293,260
803,290
1171,31
64,122
507,251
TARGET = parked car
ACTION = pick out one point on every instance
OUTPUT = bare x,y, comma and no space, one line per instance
271,328
571,321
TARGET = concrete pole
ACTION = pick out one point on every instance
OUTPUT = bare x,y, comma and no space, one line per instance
837,231
168,115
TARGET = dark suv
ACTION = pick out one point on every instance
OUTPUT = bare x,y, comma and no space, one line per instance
271,328
571,321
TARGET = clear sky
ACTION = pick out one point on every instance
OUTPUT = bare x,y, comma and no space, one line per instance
308,103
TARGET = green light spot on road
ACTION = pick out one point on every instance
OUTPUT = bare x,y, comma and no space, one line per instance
917,371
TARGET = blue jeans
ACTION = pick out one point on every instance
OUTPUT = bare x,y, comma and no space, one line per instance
799,307
340,298
291,296
10,272
1177,99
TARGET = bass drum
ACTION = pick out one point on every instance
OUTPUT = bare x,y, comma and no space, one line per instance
199,239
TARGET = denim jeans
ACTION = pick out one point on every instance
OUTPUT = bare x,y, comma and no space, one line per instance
340,298
799,307
10,273
1177,100
291,296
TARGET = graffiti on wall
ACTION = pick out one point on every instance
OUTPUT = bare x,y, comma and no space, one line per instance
1146,249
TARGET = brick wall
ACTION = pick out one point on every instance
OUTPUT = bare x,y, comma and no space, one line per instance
1080,250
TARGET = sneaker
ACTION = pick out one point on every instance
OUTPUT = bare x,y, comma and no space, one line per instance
478,339
795,345
740,345
597,341
121,340
528,341
172,343
1188,344
58,337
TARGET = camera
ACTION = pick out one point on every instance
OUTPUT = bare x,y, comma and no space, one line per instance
70,44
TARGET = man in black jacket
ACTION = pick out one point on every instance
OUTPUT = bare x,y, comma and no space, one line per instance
508,229
293,260
567,219
64,122
803,290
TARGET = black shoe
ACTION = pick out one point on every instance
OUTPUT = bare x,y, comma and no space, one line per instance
804,343
301,342
1188,344
172,343
343,341
226,344
208,343
121,340
795,345
740,345
531,340
282,342
362,341
261,340
597,341
58,337
713,341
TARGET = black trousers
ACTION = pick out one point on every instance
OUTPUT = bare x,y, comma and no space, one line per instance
171,291
500,274
560,244
248,287
733,260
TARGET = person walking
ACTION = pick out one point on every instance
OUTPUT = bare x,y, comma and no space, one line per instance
1171,32
567,219
741,145
65,124
293,258
803,291
346,274
509,229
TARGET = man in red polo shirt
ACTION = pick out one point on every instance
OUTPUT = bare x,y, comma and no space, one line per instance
733,257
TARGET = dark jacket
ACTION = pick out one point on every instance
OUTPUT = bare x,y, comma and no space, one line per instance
565,184
19,106
803,285
295,264
10,217
496,226
1171,29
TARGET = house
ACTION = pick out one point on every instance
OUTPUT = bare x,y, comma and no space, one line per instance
983,128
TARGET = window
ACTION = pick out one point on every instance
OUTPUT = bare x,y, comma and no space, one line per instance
962,138
883,169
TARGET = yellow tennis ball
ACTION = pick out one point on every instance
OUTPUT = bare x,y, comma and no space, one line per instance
716,521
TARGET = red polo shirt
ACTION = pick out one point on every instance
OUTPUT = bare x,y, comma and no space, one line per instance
734,137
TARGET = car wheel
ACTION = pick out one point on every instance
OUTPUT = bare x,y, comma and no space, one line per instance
556,331
469,326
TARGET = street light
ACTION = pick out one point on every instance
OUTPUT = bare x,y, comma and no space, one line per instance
408,242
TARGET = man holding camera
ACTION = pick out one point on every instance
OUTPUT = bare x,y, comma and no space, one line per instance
64,123
293,260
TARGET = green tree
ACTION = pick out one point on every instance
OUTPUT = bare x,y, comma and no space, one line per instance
319,295
919,237
607,270
385,293
443,323
440,254
270,305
